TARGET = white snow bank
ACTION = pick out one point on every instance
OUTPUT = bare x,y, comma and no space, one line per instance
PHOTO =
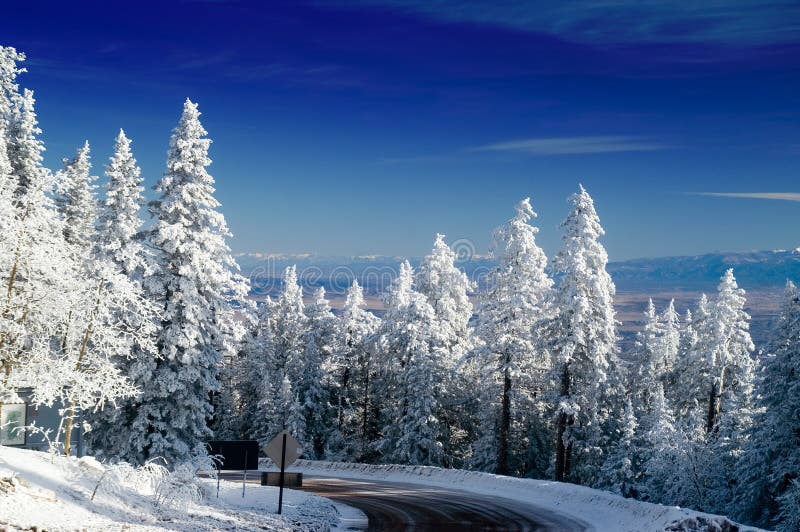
55,493
599,509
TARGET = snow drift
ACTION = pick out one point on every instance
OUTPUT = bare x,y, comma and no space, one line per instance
42,491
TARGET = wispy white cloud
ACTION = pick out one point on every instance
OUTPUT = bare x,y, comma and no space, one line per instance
573,145
780,196
748,22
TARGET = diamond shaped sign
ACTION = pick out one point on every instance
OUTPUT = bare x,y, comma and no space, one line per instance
274,449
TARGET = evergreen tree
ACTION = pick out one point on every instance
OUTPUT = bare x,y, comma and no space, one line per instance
511,355
651,360
37,266
789,516
196,285
622,468
261,377
687,393
282,411
670,339
9,70
320,345
107,315
350,365
289,328
714,401
411,375
119,223
729,360
76,201
25,148
772,453
117,242
384,393
669,473
584,345
446,288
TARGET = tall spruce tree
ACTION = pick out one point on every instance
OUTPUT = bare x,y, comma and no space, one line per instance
289,328
120,223
585,343
196,286
670,338
119,245
511,355
411,376
77,202
447,289
351,368
688,393
320,343
730,365
772,453
280,355
260,377
714,401
650,360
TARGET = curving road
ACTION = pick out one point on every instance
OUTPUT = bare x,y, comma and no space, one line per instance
394,506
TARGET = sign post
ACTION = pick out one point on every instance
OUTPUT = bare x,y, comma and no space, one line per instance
283,471
283,450
244,477
239,455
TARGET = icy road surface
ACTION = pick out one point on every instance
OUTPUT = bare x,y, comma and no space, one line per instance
396,506
393,506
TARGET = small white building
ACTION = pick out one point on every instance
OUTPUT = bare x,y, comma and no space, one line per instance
18,411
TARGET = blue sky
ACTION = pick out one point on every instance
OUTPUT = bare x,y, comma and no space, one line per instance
365,127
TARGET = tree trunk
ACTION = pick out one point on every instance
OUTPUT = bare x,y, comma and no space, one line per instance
563,452
342,391
68,429
84,345
715,403
505,425
365,407
6,363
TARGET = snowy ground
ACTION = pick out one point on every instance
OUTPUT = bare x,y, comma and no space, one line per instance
37,490
600,510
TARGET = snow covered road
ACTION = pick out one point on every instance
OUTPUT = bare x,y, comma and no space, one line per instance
400,506
433,498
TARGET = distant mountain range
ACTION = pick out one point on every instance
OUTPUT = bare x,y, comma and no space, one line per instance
753,269
761,273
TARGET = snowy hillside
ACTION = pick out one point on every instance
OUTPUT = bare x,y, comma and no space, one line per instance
38,491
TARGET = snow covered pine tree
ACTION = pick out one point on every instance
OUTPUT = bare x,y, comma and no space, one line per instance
512,353
584,343
195,283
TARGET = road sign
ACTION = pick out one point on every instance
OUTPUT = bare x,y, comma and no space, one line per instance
235,454
274,449
283,450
